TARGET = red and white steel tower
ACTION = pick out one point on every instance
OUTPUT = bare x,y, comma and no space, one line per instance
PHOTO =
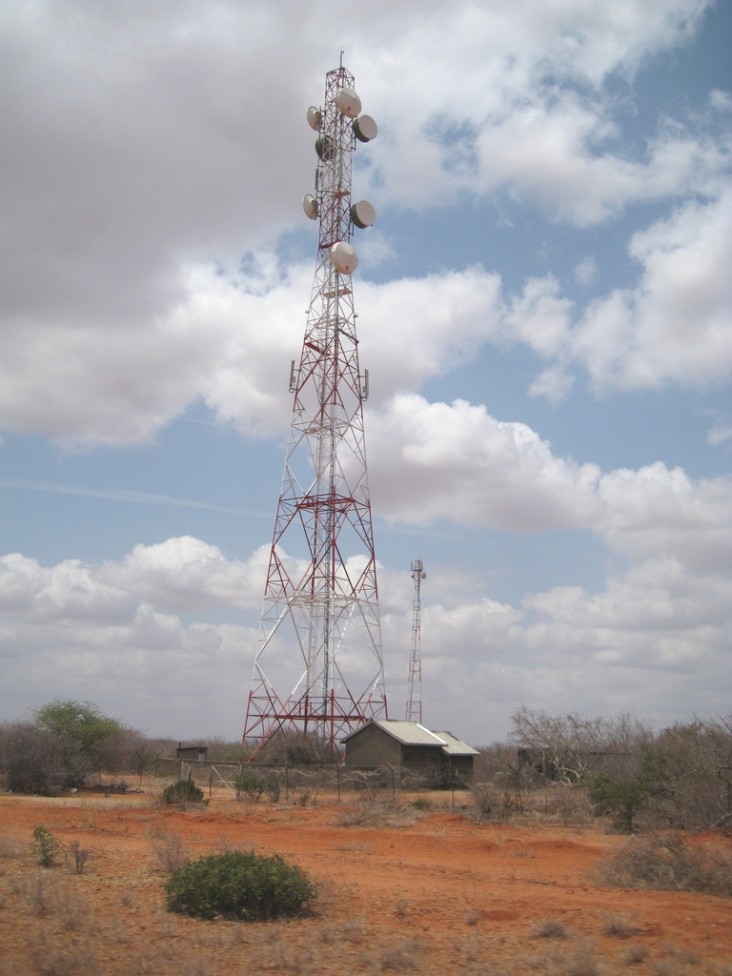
319,668
414,699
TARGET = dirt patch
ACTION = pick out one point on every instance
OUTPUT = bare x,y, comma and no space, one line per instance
400,891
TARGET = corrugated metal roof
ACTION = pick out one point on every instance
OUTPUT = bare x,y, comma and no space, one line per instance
456,747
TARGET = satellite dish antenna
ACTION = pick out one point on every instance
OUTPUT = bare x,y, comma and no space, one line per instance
363,214
324,148
344,257
310,206
348,102
365,128
315,118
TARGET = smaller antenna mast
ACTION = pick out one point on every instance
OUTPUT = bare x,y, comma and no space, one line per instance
414,701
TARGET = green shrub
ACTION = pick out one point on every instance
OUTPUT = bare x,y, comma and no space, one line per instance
182,792
238,885
45,847
252,785
621,797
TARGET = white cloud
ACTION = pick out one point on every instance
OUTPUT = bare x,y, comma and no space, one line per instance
115,632
539,317
586,271
187,574
438,461
719,434
555,383
659,511
674,326
153,156
433,461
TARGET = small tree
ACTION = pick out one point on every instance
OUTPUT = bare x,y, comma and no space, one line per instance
80,722
67,741
622,798
45,847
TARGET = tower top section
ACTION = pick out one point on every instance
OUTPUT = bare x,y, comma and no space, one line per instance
339,125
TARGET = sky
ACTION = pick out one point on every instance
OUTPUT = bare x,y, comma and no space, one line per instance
544,308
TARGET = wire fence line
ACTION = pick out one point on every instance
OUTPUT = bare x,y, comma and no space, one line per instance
254,780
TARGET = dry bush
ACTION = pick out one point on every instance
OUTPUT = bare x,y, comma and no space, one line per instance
169,850
401,957
581,962
489,802
567,805
620,926
49,959
80,855
635,954
550,928
53,899
670,862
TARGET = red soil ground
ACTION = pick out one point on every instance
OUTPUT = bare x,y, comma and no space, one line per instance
400,891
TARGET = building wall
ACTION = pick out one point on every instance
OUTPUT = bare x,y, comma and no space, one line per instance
371,746
422,759
192,753
459,768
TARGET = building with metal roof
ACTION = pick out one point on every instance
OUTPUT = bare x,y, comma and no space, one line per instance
410,747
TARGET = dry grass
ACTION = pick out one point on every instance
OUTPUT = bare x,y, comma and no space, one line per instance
377,813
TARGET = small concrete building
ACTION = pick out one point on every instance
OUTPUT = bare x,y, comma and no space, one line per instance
192,753
412,748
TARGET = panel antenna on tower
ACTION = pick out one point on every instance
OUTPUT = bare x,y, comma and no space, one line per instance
319,669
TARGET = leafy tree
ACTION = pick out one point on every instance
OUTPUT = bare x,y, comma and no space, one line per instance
81,722
621,797
689,771
67,741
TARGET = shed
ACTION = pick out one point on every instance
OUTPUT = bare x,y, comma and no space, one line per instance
192,753
410,747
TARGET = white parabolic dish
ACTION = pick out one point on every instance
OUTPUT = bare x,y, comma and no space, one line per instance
365,128
310,206
344,257
363,214
348,102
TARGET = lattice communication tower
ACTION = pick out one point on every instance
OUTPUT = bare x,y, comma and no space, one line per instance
319,668
414,698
